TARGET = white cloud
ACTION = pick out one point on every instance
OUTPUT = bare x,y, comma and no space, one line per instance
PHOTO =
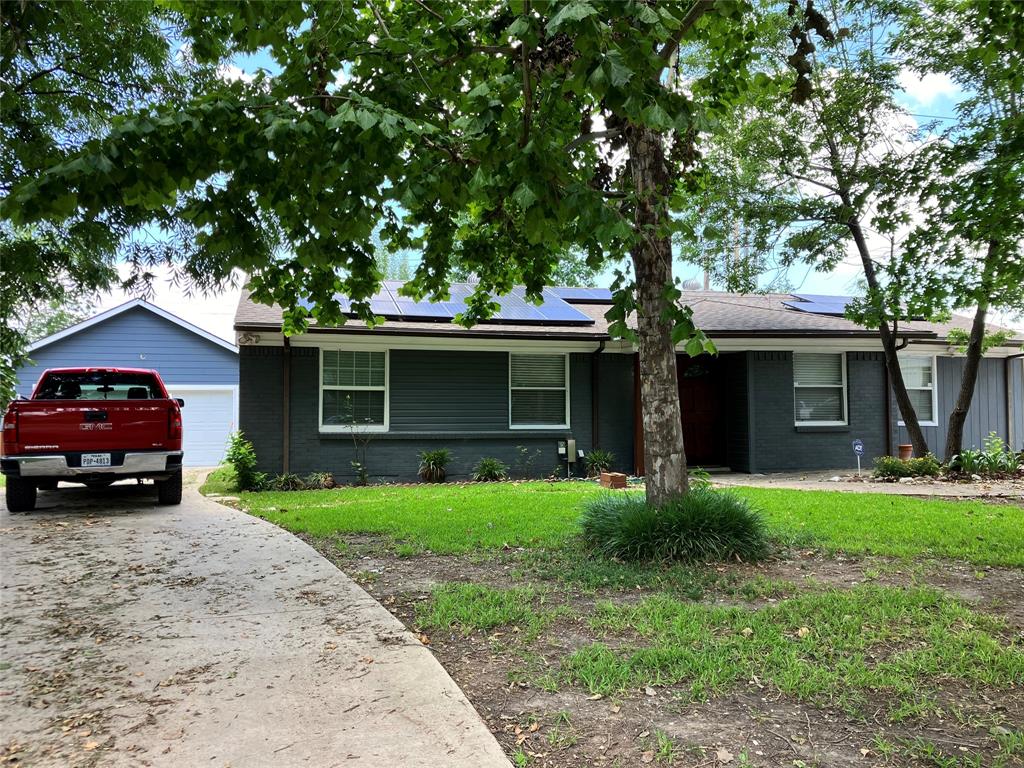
924,90
231,73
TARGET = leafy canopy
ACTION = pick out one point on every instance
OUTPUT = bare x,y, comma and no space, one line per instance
67,69
485,136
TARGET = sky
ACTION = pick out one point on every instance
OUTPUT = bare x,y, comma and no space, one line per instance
928,98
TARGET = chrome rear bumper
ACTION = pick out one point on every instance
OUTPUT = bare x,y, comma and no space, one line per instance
134,464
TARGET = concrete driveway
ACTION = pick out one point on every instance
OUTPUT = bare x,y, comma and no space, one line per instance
133,634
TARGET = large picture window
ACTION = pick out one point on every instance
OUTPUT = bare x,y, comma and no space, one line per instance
919,378
353,391
819,388
538,391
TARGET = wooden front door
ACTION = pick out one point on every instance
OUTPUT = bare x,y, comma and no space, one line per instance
701,403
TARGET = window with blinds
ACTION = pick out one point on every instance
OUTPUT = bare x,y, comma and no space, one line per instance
919,378
538,391
353,390
819,388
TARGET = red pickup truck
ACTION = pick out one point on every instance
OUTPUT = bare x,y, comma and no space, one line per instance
92,426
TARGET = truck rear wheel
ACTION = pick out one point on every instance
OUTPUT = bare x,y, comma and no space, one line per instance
169,491
20,495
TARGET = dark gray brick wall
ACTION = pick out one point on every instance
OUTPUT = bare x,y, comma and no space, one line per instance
615,414
778,445
454,400
737,418
260,384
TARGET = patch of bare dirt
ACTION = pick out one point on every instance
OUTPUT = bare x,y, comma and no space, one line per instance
754,725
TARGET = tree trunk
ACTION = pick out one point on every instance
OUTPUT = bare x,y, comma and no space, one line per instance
975,350
975,345
888,338
664,455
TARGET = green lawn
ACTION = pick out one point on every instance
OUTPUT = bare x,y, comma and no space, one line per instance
450,518
861,648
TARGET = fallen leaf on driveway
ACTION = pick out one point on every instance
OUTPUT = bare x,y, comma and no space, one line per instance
90,745
647,757
723,755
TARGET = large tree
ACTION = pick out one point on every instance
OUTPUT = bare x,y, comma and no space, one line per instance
969,179
496,136
66,70
807,182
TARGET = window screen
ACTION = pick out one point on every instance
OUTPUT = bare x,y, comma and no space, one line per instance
819,388
919,379
354,389
538,390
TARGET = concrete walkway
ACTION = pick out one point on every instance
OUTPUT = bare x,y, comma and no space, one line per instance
847,481
133,634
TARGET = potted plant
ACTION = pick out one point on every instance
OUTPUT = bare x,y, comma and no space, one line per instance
434,465
598,461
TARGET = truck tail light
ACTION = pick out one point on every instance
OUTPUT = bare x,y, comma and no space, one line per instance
10,431
174,423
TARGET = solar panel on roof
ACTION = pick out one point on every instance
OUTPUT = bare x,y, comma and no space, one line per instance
817,304
514,307
581,294
819,298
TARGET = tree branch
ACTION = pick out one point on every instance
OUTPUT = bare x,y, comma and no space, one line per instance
698,9
527,89
593,136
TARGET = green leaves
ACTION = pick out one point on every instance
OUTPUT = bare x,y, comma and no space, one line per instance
572,11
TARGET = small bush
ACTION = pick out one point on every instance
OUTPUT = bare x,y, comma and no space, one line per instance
969,462
489,469
242,457
318,480
286,482
598,461
703,524
890,467
434,465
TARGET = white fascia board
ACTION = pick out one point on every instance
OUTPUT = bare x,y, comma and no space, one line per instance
121,308
366,341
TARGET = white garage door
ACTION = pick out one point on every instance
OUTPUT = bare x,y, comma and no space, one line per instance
208,418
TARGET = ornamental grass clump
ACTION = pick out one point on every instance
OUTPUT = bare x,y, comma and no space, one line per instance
703,524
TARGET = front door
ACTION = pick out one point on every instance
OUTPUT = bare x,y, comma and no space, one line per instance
701,404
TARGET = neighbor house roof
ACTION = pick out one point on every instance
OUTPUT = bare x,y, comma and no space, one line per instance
128,305
718,314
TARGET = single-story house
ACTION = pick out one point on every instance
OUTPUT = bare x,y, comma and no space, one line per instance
197,366
794,383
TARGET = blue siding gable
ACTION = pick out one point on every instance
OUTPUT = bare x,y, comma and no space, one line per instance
137,338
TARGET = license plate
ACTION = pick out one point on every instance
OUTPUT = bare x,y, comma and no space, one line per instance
95,459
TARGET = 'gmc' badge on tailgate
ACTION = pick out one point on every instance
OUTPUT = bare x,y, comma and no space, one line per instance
96,426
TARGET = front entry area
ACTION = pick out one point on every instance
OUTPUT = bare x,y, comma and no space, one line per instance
703,403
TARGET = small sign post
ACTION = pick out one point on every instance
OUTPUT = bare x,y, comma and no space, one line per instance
858,449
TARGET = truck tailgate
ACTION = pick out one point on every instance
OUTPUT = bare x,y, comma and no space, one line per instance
93,425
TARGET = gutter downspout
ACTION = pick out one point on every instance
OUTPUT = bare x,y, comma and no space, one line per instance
285,406
595,394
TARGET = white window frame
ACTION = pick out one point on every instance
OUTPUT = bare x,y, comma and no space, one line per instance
842,388
933,422
356,428
568,419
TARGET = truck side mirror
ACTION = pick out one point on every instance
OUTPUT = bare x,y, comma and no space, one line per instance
180,402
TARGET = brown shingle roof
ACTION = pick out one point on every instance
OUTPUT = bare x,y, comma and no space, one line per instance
718,314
